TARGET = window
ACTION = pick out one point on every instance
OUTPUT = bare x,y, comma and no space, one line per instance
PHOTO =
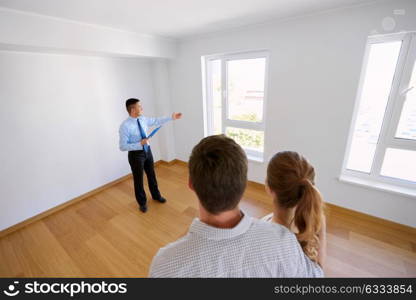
381,147
235,94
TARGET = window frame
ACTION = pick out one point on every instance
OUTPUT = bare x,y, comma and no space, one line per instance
206,60
405,64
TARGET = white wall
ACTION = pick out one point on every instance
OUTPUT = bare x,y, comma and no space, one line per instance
161,84
59,120
29,31
315,64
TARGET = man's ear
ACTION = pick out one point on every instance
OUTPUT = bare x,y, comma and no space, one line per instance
190,184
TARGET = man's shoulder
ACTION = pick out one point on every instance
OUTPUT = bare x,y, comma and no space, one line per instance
277,241
173,247
125,122
274,230
166,256
283,247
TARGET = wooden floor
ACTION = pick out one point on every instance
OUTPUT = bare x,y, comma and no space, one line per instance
106,235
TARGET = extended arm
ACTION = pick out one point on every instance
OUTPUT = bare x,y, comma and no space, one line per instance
157,121
162,120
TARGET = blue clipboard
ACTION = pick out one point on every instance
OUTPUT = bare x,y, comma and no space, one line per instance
153,132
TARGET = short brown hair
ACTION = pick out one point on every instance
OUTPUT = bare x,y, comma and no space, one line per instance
218,173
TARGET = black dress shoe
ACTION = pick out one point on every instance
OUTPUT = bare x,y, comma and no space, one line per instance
161,200
143,208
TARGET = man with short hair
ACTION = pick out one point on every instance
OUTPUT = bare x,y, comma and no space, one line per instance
224,241
134,139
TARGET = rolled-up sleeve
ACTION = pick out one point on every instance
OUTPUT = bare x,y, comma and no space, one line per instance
124,144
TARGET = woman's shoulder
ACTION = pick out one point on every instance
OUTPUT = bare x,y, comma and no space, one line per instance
267,218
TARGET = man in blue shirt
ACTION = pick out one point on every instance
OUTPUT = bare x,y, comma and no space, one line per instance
133,138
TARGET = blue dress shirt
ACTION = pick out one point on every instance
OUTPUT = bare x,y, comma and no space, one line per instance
130,136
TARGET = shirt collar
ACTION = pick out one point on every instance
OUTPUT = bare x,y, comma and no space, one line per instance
135,119
213,233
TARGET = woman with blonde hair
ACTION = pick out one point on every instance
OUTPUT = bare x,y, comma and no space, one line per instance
298,204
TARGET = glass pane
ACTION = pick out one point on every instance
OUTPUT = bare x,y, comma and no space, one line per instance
216,96
407,123
247,138
399,163
245,87
375,92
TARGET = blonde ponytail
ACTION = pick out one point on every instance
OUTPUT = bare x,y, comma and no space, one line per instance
308,219
291,178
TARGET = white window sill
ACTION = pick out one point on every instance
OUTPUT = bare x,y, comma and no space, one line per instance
371,184
255,158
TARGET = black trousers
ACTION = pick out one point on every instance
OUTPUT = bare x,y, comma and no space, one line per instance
139,161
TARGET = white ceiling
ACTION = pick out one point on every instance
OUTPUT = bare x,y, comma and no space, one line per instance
175,18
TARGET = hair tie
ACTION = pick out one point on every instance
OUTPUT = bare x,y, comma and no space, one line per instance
304,181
